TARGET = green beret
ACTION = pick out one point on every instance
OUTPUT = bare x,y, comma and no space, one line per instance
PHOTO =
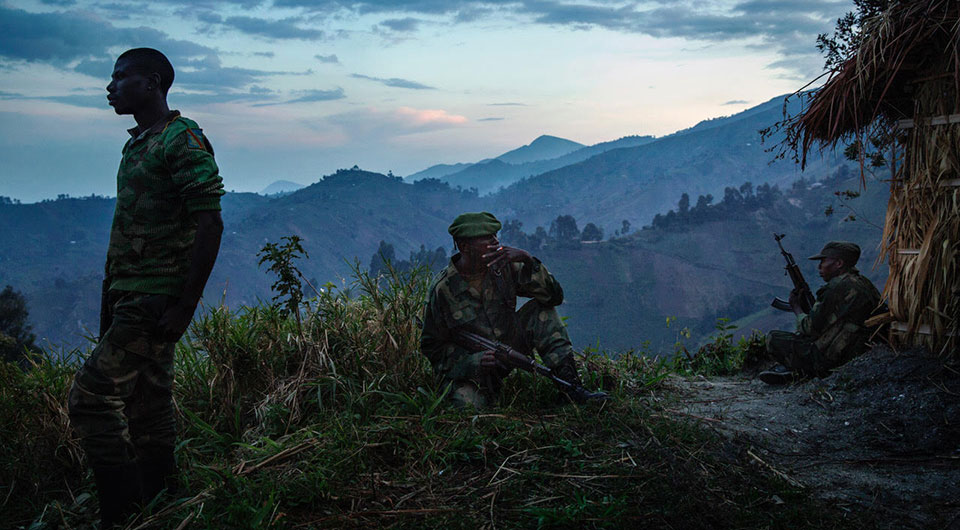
845,250
474,224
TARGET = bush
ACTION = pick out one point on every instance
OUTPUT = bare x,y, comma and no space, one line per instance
722,356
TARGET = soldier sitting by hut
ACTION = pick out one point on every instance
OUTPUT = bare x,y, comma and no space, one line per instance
833,332
478,293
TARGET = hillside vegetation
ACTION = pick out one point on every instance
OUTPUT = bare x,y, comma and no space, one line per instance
53,251
332,420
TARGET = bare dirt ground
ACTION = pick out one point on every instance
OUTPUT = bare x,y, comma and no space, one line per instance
881,435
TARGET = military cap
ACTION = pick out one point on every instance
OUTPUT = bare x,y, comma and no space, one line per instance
845,250
474,224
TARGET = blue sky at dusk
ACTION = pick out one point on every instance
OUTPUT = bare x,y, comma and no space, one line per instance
294,89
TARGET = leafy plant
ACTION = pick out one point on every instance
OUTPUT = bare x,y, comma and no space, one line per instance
723,356
281,257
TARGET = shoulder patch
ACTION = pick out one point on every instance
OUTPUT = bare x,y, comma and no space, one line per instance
195,139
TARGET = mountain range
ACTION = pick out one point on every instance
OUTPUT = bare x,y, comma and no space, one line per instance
53,251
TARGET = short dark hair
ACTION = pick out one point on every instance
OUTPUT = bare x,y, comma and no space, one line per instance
149,61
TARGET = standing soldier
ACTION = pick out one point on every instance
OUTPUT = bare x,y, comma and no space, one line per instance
478,293
163,244
833,332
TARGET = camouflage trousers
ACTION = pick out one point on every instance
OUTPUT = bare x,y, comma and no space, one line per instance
543,331
121,401
798,353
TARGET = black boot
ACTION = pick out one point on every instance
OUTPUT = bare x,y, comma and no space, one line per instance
119,490
778,375
158,472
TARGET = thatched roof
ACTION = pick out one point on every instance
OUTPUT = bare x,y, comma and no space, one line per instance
910,43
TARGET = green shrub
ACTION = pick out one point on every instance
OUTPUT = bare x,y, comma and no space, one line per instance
722,356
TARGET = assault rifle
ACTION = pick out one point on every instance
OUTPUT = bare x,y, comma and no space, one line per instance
804,296
512,358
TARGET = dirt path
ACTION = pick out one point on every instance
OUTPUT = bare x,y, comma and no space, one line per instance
882,434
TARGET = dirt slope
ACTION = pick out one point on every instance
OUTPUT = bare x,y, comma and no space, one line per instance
880,435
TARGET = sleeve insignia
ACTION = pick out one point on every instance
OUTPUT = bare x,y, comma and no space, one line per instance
195,139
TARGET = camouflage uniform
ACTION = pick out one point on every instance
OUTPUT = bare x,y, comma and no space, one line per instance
121,400
490,311
833,332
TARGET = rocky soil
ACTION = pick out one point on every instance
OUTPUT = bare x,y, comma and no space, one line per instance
879,436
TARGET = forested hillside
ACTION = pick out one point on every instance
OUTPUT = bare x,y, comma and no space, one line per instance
53,251
638,182
713,260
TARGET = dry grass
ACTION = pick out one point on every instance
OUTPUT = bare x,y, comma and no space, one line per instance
911,41
923,288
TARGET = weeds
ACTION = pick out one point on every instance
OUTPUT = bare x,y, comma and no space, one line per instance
335,421
722,356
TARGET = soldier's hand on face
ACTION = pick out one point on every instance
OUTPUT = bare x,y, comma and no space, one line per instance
175,321
497,254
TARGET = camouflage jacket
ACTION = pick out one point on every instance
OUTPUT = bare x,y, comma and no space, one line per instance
167,172
835,322
491,312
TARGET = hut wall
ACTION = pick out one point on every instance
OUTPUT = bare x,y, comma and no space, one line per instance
922,230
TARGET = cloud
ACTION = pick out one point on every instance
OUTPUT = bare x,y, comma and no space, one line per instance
59,38
395,82
736,102
490,119
86,44
330,59
508,104
402,25
376,124
786,26
274,29
208,17
311,96
269,55
176,98
436,7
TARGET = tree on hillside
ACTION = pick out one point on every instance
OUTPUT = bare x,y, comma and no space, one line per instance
564,229
625,228
538,238
432,259
385,254
512,234
591,232
684,205
15,336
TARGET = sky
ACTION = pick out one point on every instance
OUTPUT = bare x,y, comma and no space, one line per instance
296,89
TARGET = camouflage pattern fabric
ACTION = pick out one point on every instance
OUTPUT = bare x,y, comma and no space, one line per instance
167,172
121,401
797,353
490,311
834,327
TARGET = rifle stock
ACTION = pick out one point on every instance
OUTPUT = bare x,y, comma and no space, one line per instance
512,358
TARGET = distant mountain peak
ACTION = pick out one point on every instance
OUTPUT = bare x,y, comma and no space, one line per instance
544,147
281,187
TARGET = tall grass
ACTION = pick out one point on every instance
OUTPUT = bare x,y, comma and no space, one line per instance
337,422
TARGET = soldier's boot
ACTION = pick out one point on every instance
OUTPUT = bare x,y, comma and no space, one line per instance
567,370
778,375
158,473
118,488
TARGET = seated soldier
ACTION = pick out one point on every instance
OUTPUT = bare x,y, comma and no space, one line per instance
833,332
477,292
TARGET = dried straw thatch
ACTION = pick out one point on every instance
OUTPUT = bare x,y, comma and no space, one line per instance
904,80
910,43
